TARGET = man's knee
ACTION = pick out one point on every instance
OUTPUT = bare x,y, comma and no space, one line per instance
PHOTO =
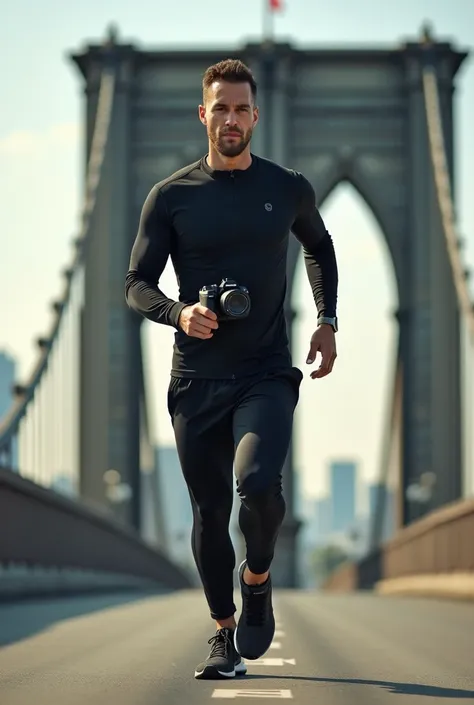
259,489
262,504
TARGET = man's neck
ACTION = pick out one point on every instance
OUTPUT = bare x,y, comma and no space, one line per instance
222,163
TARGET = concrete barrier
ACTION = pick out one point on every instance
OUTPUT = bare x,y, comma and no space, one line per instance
432,556
454,586
18,582
41,529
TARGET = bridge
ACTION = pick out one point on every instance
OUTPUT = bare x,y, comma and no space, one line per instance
380,119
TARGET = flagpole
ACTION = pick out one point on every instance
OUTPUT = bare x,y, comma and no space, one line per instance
268,21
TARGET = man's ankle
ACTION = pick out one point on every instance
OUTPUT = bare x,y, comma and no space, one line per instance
254,579
226,623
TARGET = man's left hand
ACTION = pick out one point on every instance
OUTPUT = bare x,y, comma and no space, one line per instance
323,340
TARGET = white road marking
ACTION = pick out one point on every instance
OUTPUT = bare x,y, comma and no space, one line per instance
272,662
275,645
279,634
230,694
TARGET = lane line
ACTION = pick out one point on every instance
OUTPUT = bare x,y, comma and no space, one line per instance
232,694
272,662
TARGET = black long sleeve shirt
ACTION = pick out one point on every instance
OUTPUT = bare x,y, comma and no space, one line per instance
216,224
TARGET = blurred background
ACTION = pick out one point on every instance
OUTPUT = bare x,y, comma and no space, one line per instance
49,103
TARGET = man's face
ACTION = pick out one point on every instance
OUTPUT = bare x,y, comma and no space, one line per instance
229,116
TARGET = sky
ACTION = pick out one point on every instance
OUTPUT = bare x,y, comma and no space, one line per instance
41,178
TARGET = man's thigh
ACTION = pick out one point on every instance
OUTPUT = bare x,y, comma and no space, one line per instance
262,427
202,423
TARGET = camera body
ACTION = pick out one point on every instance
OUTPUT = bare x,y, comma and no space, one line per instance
229,301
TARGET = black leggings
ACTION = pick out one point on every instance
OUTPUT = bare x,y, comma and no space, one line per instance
242,425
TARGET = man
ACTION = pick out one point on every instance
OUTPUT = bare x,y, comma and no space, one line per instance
233,389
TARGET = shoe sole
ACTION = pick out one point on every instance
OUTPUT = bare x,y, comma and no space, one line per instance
236,646
213,673
249,657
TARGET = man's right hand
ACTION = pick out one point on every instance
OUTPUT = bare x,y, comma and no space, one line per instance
198,321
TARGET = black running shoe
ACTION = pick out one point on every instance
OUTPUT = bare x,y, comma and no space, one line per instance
223,660
256,626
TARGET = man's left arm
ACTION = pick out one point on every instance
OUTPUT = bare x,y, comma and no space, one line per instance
321,267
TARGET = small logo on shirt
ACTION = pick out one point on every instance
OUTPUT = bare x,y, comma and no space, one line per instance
268,206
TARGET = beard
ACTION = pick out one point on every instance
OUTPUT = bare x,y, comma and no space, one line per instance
227,148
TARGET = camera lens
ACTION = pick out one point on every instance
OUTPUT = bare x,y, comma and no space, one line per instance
235,303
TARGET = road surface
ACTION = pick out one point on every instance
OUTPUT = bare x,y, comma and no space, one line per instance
329,649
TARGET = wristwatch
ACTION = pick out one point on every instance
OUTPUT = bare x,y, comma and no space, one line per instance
329,321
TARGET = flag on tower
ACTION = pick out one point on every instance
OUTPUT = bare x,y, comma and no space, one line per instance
270,8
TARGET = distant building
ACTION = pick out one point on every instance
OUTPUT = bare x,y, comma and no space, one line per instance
300,505
7,379
343,495
176,506
380,493
323,508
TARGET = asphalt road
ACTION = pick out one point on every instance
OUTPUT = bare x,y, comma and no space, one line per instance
329,650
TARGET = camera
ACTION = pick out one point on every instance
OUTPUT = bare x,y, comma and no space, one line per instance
228,300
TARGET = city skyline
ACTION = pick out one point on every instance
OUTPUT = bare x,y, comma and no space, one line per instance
342,415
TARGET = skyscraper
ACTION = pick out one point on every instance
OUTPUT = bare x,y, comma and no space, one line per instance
323,509
378,492
343,488
7,379
176,505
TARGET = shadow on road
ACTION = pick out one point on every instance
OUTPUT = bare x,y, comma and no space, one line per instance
23,619
432,691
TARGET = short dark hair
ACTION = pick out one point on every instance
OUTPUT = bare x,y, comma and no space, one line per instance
231,70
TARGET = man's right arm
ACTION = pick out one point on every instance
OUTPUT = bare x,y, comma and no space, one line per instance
149,255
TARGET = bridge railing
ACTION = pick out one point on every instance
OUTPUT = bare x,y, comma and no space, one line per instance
440,544
39,434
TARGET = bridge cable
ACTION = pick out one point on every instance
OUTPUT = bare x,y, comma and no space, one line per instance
9,425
